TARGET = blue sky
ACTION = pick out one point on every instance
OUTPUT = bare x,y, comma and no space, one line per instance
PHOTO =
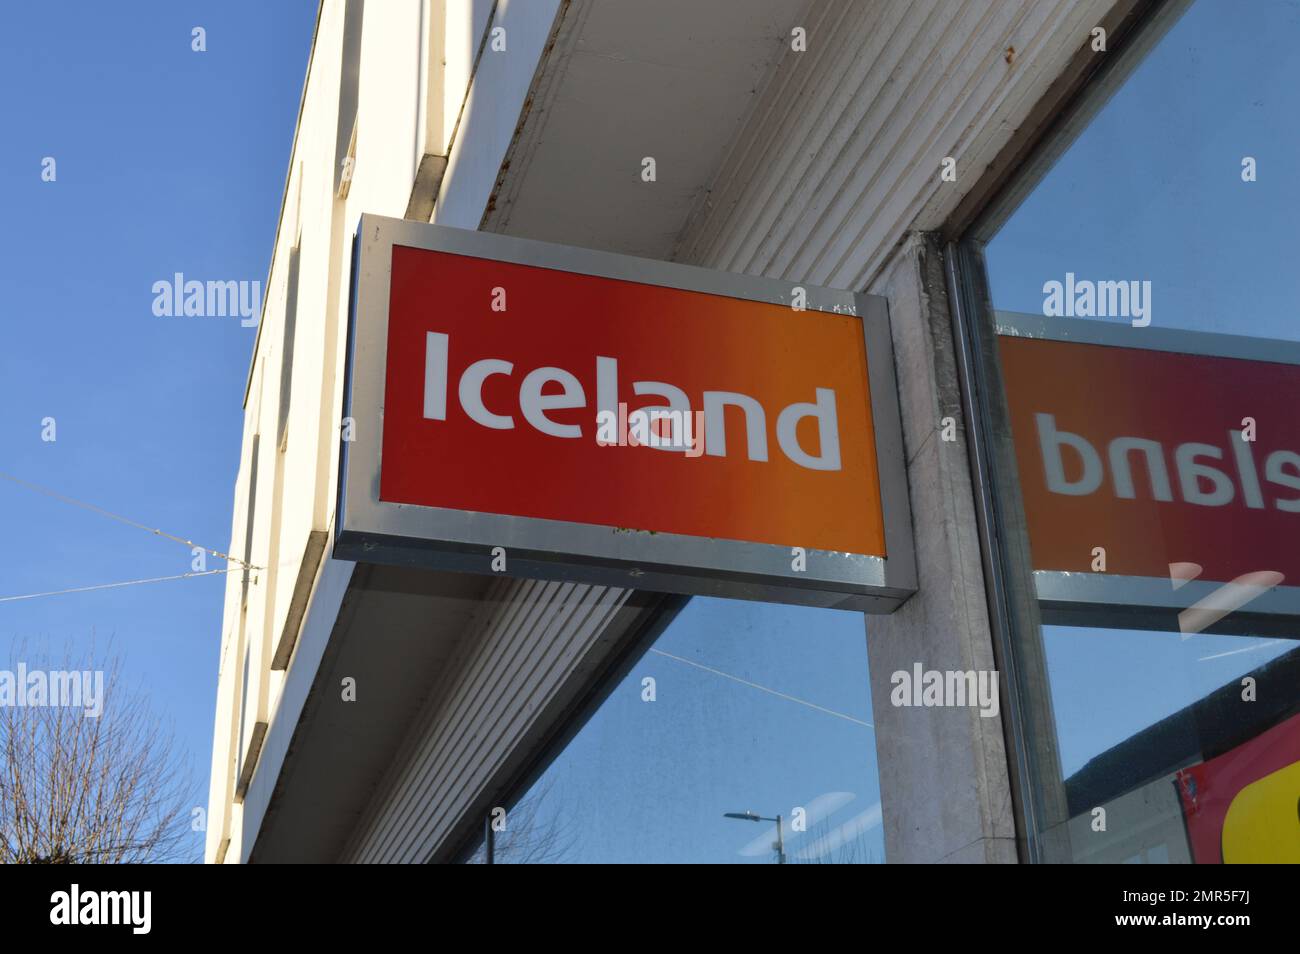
167,160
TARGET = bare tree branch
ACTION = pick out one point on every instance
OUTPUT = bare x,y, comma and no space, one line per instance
93,790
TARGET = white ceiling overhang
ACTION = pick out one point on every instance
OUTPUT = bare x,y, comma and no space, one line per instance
627,80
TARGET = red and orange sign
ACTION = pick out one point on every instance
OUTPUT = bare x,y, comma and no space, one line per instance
1240,806
1159,457
509,386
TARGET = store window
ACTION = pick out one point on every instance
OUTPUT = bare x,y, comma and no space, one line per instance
739,713
1139,334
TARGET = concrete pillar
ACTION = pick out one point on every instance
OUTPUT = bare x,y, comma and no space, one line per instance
944,784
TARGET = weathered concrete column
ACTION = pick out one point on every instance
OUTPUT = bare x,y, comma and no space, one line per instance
944,785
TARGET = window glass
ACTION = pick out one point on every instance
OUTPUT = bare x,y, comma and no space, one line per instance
736,709
1144,302
1154,188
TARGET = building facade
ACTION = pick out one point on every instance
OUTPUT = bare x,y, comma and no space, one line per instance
1074,212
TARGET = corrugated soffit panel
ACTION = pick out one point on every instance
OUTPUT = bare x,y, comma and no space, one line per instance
532,643
842,153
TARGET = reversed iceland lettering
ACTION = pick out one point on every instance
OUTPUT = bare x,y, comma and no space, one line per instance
1075,467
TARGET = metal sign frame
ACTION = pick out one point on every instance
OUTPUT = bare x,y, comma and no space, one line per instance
368,529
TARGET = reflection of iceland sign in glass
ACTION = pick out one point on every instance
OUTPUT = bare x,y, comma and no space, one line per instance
1177,453
615,420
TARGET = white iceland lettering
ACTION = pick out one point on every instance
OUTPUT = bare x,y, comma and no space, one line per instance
1139,468
538,399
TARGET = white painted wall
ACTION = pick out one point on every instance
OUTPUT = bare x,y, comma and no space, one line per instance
296,486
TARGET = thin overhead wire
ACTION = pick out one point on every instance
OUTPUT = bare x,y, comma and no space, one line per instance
754,685
127,520
110,586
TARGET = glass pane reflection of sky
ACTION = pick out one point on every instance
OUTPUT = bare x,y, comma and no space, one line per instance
757,708
1152,190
